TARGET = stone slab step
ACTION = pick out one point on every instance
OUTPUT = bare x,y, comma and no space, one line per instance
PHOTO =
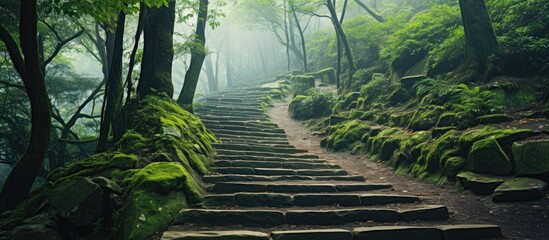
248,133
266,124
230,108
296,187
315,234
286,149
244,128
258,178
243,147
251,141
309,158
303,200
264,154
231,113
250,138
443,232
220,235
208,116
273,164
279,171
271,218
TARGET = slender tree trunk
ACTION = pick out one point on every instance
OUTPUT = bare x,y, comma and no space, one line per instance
156,67
287,35
210,74
375,15
483,52
186,96
139,30
302,37
341,35
19,182
228,67
111,112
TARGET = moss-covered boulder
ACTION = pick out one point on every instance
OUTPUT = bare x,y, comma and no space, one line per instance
494,118
426,118
156,194
302,83
326,75
532,157
520,189
478,183
347,100
486,156
505,137
346,135
317,105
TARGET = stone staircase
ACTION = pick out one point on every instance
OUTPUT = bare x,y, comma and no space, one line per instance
264,188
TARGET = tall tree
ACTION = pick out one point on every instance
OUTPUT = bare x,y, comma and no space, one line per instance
156,66
483,53
27,64
198,53
341,35
111,112
374,14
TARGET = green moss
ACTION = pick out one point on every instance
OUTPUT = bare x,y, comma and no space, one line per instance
347,100
88,167
494,118
435,154
453,166
447,119
317,105
346,134
486,156
426,118
123,161
505,137
326,75
155,195
302,83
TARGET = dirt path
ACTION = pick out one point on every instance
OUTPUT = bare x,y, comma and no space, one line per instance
528,220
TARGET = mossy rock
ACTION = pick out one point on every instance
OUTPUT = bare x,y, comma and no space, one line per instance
123,161
326,75
425,119
448,119
532,157
505,137
155,195
519,190
433,155
439,131
478,183
317,105
486,156
346,134
494,118
453,166
346,100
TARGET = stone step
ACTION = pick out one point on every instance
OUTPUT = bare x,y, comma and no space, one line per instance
441,232
241,146
261,178
232,100
232,114
271,218
251,141
213,117
292,164
230,108
249,138
213,128
250,123
304,200
259,148
279,171
311,158
274,164
264,154
296,187
236,104
248,133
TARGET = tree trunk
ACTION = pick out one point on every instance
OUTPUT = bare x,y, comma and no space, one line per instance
19,182
111,111
287,35
138,32
186,96
228,67
375,15
483,52
156,67
210,74
341,34
302,37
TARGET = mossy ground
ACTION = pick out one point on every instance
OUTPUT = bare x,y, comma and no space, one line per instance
157,171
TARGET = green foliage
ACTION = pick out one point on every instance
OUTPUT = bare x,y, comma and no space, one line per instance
424,32
346,135
315,104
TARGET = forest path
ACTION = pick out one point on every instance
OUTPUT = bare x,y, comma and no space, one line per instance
265,188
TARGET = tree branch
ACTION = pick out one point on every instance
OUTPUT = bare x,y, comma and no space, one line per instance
14,52
61,44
